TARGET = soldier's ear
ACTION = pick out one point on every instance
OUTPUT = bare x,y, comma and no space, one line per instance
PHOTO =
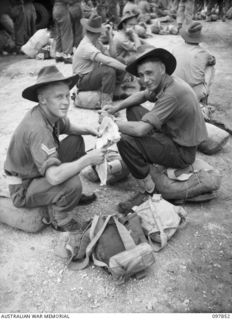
163,68
41,98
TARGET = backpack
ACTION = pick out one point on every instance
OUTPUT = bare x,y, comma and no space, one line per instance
119,247
160,220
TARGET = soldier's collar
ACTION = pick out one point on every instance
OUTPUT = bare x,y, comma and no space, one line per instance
50,122
157,94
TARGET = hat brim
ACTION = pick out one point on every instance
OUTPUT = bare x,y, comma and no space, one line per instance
84,23
31,93
163,55
127,18
185,35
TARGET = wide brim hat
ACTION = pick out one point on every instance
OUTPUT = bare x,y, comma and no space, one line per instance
93,24
48,75
146,51
126,17
193,33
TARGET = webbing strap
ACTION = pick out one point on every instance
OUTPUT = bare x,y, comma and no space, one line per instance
94,239
127,240
163,236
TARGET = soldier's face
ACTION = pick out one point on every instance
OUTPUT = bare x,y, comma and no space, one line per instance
129,26
151,74
56,100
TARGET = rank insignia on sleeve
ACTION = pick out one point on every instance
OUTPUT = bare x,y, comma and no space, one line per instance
47,150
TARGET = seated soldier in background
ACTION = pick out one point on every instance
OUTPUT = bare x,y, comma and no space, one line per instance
169,134
185,13
96,69
41,170
195,65
125,41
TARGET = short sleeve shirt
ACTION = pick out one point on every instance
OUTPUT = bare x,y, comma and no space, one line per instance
34,145
192,61
177,113
122,46
84,57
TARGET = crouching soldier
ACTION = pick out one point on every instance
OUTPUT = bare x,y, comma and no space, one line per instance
167,135
41,170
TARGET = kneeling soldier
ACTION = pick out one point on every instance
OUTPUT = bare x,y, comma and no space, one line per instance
41,170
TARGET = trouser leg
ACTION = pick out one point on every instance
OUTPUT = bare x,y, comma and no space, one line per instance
76,15
210,6
7,24
65,196
180,13
102,78
139,152
66,34
30,20
19,25
189,9
221,7
62,20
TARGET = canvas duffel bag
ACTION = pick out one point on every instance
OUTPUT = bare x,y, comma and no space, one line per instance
197,183
88,100
217,138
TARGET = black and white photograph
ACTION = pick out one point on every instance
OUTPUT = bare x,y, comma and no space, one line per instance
116,159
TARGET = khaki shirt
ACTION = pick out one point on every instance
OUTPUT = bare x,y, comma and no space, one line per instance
84,57
177,113
33,146
122,46
192,61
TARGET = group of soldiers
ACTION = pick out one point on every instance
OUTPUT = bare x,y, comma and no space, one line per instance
18,18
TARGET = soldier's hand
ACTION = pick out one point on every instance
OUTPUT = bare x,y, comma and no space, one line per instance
94,132
96,156
109,109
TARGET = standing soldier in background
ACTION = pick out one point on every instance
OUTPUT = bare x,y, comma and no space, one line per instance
64,32
185,13
30,19
76,15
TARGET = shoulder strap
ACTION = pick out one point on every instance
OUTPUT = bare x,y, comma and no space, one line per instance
90,247
127,239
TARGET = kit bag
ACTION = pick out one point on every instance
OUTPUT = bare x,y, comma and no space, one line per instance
27,220
197,183
120,247
88,100
160,220
217,138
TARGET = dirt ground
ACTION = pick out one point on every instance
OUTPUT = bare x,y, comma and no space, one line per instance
192,274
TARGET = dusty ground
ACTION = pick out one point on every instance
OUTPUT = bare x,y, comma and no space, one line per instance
193,274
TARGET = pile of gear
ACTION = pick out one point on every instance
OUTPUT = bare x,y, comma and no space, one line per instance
124,246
